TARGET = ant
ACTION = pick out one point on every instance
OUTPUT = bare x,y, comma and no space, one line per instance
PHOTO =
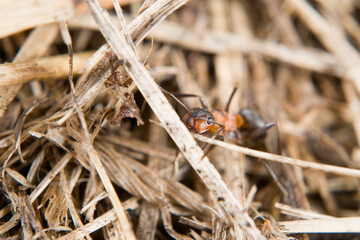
245,125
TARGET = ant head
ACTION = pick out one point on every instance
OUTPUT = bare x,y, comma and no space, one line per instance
199,120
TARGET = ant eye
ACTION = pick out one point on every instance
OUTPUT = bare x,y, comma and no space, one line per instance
210,120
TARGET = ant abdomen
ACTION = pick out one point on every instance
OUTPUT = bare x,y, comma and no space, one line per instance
254,125
252,120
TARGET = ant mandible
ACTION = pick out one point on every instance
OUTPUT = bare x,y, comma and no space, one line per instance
245,125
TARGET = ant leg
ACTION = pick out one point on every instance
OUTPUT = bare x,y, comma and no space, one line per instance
231,97
270,167
276,178
221,138
215,136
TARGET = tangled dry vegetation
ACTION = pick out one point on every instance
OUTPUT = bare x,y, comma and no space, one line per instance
91,148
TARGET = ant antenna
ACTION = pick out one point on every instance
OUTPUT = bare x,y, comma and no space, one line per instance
231,97
216,123
202,101
173,96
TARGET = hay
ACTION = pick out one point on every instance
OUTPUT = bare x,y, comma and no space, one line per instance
91,148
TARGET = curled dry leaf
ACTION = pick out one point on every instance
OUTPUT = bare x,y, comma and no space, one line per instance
128,109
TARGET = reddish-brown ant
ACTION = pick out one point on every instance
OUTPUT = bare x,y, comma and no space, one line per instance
247,124
239,127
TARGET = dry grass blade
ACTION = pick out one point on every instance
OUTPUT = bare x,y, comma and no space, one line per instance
98,223
46,181
119,209
70,204
149,215
166,217
300,213
335,225
19,178
172,123
38,13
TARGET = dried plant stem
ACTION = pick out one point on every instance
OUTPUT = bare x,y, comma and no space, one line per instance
334,225
49,177
119,209
98,223
300,213
41,69
285,160
70,204
172,123
38,12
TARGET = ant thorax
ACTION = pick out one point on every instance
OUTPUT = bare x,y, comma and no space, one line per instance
232,122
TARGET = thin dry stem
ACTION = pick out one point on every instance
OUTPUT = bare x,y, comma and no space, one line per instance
285,160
